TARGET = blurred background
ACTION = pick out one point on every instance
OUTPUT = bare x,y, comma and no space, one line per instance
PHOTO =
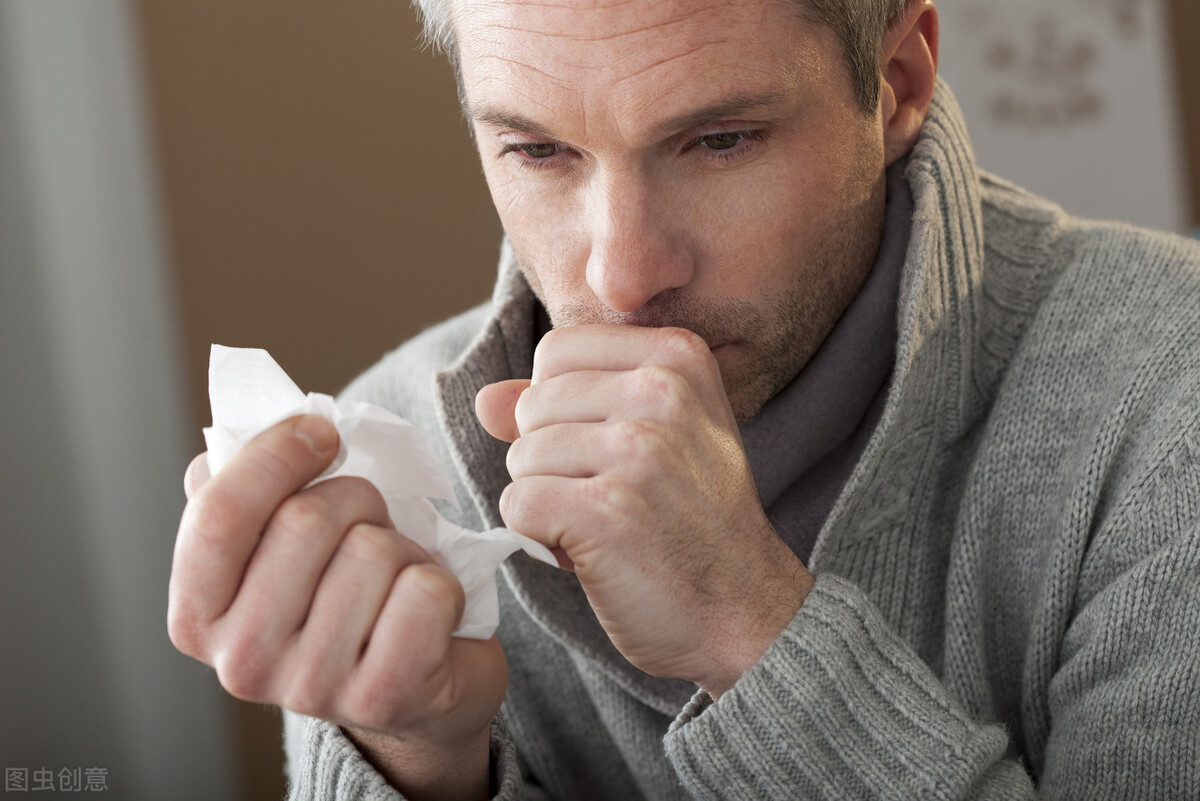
296,176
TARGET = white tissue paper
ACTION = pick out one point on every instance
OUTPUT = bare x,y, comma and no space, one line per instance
249,393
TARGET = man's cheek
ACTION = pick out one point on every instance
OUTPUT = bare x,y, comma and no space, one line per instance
563,296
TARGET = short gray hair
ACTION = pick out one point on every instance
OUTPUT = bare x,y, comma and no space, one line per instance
858,24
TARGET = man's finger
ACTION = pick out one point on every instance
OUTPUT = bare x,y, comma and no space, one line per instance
623,347
294,552
424,605
539,506
596,396
495,406
569,450
347,602
196,475
222,524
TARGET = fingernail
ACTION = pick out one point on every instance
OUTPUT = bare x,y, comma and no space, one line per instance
317,433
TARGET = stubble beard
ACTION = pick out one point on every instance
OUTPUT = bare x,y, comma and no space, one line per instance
773,338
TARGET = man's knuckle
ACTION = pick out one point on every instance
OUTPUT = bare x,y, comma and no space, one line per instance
671,391
609,494
433,590
546,345
513,459
627,440
636,440
196,475
209,520
359,492
301,515
549,340
308,693
687,344
184,627
512,506
429,583
181,636
661,388
243,672
525,404
371,544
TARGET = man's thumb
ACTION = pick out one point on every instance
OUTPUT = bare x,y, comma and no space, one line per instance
496,405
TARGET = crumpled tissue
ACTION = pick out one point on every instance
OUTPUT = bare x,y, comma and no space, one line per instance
249,393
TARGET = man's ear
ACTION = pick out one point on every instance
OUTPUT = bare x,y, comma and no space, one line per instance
909,65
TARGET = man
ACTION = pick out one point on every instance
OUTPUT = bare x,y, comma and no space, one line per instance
870,475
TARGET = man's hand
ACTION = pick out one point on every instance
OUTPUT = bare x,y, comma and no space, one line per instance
626,455
309,599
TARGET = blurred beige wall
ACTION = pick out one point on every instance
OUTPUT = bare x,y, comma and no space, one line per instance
323,196
324,200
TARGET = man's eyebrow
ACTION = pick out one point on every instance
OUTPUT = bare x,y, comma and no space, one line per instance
732,106
502,119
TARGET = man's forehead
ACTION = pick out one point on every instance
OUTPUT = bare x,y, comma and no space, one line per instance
663,63
593,19
636,31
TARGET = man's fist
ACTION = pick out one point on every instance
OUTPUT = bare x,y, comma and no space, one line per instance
626,455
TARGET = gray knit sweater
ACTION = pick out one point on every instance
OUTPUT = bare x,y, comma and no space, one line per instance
1007,598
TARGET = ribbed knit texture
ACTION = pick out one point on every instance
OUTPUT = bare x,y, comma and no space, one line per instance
333,767
1008,588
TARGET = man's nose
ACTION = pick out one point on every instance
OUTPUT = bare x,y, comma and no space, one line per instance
636,251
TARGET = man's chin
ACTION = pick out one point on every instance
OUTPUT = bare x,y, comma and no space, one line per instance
750,389
747,395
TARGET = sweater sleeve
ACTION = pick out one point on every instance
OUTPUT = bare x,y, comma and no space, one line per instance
324,765
841,707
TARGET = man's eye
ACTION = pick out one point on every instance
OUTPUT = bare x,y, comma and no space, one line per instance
722,141
727,145
539,150
537,155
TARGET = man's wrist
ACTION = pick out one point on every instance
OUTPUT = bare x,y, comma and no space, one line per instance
429,772
754,635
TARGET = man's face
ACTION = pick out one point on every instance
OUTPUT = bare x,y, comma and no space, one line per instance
692,163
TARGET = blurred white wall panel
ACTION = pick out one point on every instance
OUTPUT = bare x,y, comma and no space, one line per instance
1074,99
91,421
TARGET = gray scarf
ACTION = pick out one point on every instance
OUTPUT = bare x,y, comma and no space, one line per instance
804,443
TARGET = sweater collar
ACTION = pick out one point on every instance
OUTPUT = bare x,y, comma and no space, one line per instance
931,400
926,401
